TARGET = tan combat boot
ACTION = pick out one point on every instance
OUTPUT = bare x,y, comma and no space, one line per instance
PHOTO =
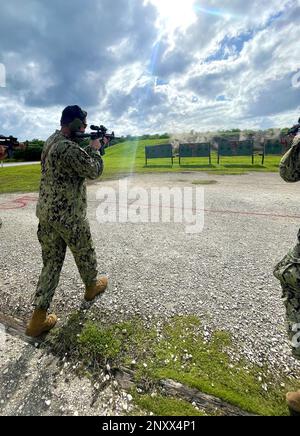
98,288
40,323
293,402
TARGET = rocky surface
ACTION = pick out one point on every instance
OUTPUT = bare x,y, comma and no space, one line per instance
223,274
32,383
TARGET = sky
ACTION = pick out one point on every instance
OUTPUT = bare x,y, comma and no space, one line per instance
150,66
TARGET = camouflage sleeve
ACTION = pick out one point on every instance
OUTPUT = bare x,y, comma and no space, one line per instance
290,163
85,162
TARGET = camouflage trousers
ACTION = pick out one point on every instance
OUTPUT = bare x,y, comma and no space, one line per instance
288,272
54,239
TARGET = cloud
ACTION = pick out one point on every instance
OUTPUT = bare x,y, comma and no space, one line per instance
231,67
70,50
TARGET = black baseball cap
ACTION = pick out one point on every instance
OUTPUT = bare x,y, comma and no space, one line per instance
70,113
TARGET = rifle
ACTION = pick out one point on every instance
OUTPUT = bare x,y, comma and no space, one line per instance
7,144
7,141
294,129
98,132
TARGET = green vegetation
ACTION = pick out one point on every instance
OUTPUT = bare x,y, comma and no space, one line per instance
175,349
32,153
166,406
20,179
95,341
129,157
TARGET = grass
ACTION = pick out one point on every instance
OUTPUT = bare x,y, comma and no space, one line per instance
175,349
209,368
129,157
165,406
20,179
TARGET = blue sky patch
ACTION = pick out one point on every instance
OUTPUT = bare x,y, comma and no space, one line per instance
231,46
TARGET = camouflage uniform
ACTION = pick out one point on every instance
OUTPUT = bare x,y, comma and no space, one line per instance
61,210
288,269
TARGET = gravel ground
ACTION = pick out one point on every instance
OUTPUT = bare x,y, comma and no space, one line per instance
223,275
32,384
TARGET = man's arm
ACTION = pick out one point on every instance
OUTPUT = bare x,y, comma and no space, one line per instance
85,162
290,163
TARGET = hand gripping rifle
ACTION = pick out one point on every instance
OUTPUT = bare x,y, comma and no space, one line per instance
98,133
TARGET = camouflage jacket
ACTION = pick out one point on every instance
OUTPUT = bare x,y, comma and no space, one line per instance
290,163
65,166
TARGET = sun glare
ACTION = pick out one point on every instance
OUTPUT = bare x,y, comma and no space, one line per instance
175,13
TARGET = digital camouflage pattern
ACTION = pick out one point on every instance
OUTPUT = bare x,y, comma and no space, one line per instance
65,166
288,272
61,210
288,269
290,163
